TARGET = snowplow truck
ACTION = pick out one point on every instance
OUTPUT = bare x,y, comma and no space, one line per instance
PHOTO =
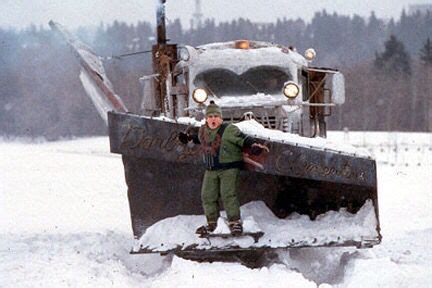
324,193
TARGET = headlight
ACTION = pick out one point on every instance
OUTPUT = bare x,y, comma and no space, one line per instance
310,54
291,89
200,95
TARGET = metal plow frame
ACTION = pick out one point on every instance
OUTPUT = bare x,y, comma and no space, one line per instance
211,251
253,257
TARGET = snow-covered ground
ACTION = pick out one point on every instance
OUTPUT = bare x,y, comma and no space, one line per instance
64,222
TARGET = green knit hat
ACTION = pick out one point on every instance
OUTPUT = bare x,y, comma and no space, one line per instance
213,108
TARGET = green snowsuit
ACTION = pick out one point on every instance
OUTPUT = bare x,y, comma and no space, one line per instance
222,152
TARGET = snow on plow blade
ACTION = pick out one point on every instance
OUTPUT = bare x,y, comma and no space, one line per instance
304,196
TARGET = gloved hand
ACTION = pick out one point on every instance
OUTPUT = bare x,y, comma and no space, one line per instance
184,137
257,149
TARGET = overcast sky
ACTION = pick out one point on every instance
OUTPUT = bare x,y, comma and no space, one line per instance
74,13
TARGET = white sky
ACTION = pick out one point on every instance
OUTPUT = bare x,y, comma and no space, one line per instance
74,13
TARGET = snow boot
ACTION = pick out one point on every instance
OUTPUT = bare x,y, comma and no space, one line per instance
235,227
206,229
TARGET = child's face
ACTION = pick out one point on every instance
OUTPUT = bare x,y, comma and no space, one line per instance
214,121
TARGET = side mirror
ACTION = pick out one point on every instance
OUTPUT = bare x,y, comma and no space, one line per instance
183,53
338,88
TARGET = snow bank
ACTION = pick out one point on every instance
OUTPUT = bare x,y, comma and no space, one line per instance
363,273
192,274
74,260
337,227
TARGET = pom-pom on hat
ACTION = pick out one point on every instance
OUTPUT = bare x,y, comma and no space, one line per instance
213,108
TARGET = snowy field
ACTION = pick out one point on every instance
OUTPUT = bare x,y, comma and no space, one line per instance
64,222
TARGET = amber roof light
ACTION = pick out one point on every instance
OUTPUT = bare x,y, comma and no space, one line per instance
242,44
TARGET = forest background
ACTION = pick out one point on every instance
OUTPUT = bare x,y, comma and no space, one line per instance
387,66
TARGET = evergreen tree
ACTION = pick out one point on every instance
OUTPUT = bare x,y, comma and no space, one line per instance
426,53
394,60
406,26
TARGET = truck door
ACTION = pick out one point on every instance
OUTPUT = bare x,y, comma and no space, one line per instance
324,89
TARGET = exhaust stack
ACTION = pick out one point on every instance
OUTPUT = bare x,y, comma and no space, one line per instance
164,60
160,20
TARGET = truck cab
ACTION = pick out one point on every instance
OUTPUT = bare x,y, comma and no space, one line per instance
272,81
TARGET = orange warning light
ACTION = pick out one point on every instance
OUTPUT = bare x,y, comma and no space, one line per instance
242,44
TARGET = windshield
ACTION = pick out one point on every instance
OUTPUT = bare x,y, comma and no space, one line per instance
224,82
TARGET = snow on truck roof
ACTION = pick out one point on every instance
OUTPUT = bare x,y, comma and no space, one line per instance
259,53
232,45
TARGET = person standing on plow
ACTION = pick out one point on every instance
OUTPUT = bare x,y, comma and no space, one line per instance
222,147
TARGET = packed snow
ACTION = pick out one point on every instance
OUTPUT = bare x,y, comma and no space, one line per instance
331,227
64,222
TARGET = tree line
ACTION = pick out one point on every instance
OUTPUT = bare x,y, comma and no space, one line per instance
387,65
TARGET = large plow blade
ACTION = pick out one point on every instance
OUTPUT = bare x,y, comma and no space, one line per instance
334,194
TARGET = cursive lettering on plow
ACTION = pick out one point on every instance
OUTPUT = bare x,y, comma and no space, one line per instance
137,138
296,163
